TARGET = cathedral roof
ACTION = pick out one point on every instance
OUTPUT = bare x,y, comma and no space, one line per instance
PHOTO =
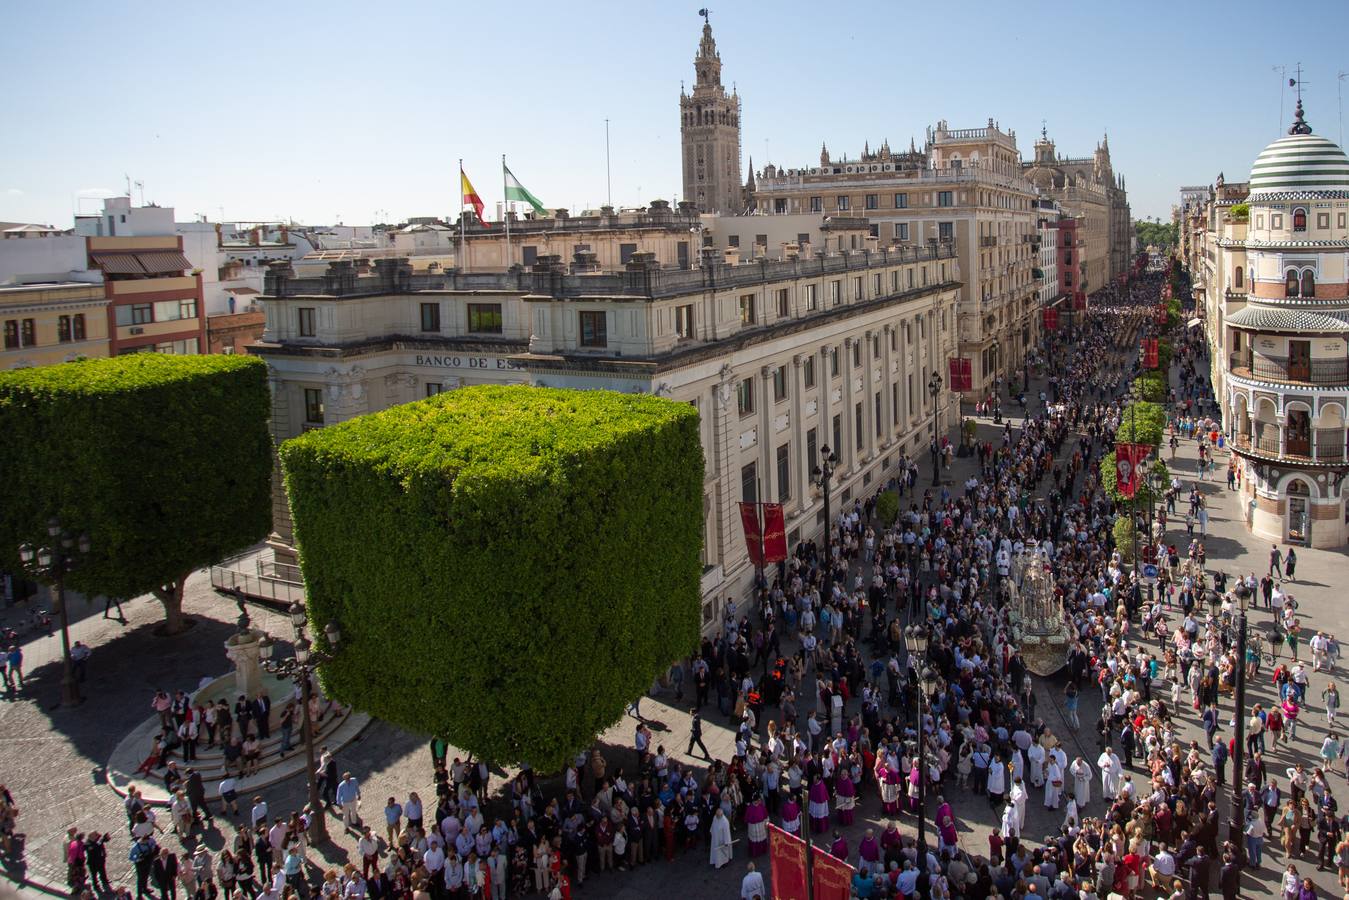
1300,162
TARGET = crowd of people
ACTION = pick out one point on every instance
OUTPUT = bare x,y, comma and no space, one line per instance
832,712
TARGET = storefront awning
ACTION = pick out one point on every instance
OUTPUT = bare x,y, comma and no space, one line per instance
160,261
118,263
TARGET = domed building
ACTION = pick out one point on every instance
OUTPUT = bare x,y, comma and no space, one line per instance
1284,326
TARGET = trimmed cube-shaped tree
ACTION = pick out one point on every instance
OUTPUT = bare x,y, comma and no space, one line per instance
509,565
164,461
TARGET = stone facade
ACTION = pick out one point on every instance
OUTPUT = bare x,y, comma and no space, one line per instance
781,357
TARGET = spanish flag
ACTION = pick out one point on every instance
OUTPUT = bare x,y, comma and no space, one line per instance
471,197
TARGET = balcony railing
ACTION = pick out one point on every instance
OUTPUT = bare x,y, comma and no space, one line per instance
1327,448
1278,368
988,240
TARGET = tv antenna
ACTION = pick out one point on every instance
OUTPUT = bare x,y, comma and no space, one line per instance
1339,100
1283,73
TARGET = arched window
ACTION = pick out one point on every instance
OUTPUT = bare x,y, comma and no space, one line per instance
1290,284
1308,284
1236,277
1299,219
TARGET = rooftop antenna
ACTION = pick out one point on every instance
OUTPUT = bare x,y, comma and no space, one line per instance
1283,73
140,186
1339,99
128,185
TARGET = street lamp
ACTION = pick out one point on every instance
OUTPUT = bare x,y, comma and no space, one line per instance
821,476
1236,827
934,385
300,669
50,564
916,641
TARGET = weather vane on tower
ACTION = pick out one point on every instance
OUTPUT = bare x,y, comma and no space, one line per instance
704,13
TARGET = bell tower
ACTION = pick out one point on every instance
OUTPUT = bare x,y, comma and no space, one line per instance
710,135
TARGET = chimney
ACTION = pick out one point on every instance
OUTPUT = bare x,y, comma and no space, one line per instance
584,261
731,256
791,250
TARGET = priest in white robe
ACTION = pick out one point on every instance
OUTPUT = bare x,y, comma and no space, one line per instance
721,840
1081,772
1035,756
1111,770
1053,784
1018,797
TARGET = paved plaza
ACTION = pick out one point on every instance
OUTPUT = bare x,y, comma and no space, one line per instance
52,758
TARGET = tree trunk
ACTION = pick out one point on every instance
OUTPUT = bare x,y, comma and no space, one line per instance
171,596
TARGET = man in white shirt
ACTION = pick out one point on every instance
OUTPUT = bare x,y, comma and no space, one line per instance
259,811
752,886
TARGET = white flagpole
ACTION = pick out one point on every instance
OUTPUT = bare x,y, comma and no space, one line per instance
506,210
462,262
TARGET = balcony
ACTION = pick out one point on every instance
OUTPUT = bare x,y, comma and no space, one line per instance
1038,274
1328,447
1278,368
988,240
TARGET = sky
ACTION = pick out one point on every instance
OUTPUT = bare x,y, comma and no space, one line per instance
357,112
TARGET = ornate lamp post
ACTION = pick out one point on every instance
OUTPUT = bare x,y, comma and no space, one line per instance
300,669
50,564
934,385
916,641
822,476
1236,827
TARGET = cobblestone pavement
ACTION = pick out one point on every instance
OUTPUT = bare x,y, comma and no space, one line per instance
51,757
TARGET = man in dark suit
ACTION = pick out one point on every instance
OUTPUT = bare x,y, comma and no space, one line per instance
1201,868
262,714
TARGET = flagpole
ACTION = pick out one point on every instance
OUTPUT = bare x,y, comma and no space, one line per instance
463,240
506,212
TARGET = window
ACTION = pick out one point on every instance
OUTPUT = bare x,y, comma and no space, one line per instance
1308,284
485,318
856,353
946,231
530,256
1339,220
784,473
749,484
1290,284
879,426
812,447
1067,259
684,321
902,231
808,371
744,396
780,205
894,338
833,364
11,334
430,316
625,252
313,406
812,301
747,316
835,292
1323,220
1299,219
838,434
876,284
78,323
816,204
733,240
1068,279
29,335
857,290
802,238
1275,221
779,384
594,329
875,346
944,198
1236,277
433,388
859,435
894,403
784,310
873,201
137,314
901,201
63,329
306,321
842,201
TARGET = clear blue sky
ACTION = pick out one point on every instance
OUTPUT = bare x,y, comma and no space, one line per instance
319,110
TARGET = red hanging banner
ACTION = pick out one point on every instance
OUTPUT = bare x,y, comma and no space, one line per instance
774,533
1051,318
1128,459
786,864
1150,353
966,374
1079,300
749,517
961,378
832,877
1160,316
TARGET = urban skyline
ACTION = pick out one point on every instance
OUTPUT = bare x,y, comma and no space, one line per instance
182,127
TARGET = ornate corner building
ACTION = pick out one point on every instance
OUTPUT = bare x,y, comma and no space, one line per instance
1270,265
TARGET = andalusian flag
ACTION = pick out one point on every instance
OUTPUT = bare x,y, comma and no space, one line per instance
517,191
471,197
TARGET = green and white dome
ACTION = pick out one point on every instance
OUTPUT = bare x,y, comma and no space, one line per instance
1301,163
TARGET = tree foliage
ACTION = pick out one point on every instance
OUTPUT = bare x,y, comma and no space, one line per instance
1141,422
510,566
1163,236
164,461
1110,482
1151,386
1124,530
1241,212
887,508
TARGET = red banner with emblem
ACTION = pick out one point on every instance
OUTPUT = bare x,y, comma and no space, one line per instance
774,533
961,376
749,517
1051,318
786,864
1079,300
1128,459
1150,353
1160,315
832,876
